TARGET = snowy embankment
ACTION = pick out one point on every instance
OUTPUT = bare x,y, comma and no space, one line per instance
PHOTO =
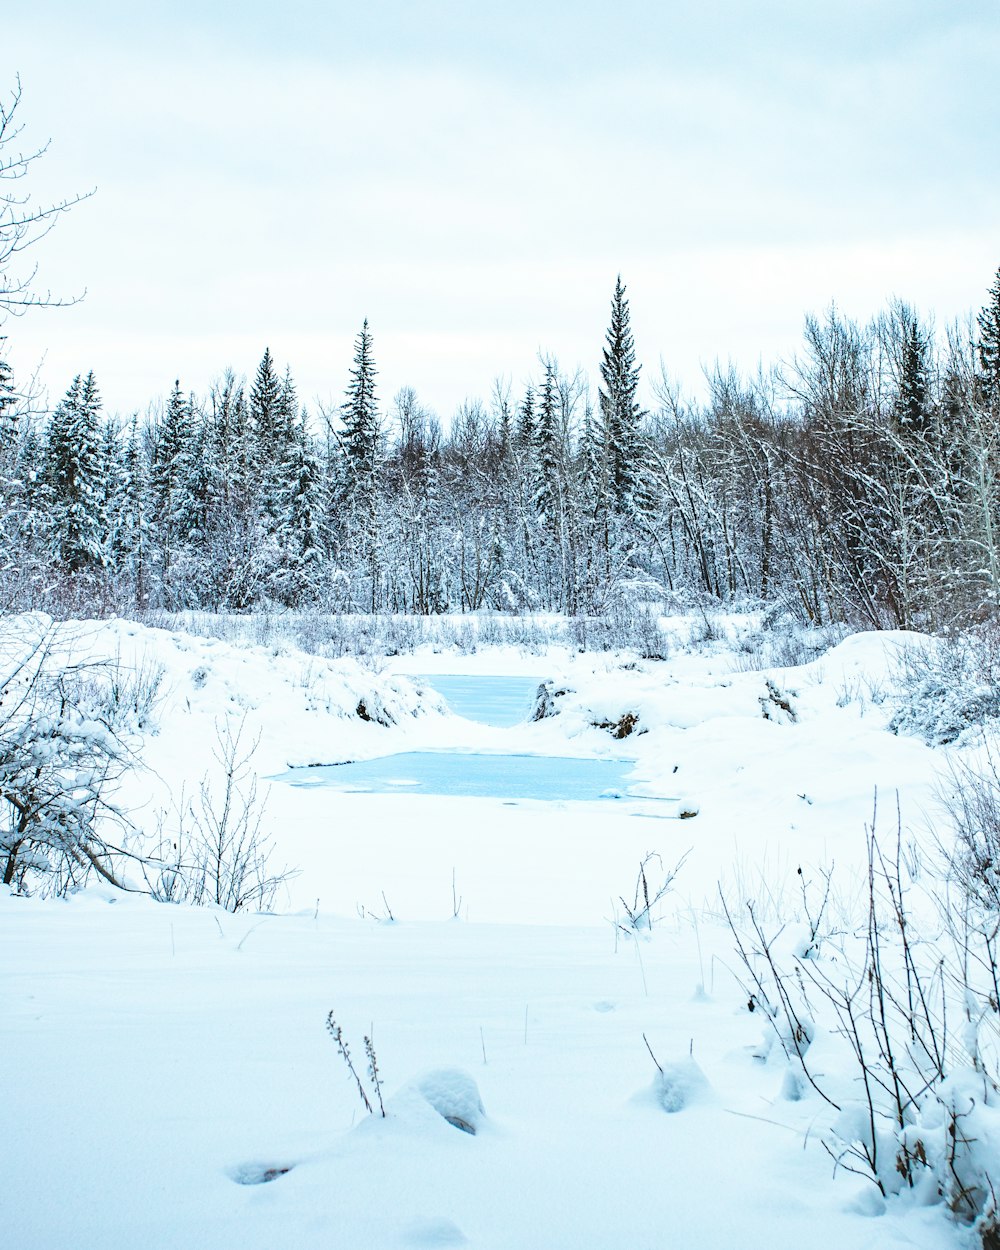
176,1085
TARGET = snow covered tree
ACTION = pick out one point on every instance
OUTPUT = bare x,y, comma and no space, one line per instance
548,484
989,346
299,577
361,423
265,403
620,412
129,519
361,444
59,757
8,405
175,466
913,400
526,421
73,477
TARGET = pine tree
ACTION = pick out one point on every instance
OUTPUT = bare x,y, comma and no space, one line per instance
361,423
526,421
989,346
73,477
300,534
912,408
620,413
130,527
265,404
361,442
547,442
173,473
8,408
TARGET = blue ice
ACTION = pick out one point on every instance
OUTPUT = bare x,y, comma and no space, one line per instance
499,701
511,777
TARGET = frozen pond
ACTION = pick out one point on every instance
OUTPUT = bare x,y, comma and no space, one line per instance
500,701
510,777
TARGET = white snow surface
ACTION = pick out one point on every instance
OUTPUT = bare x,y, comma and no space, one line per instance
169,1080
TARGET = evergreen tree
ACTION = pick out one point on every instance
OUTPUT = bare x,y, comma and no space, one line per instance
620,413
361,441
912,408
547,442
300,575
361,423
130,527
265,404
174,504
288,408
73,477
989,346
8,407
526,421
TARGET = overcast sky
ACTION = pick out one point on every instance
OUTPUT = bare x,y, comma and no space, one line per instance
471,179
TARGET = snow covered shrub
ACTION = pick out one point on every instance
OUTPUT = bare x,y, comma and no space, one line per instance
947,686
60,755
972,802
910,1028
783,643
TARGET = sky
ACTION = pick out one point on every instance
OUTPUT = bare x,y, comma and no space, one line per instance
472,178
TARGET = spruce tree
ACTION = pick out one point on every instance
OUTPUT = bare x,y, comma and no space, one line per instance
265,404
73,477
130,527
8,407
989,346
361,423
173,473
912,408
547,442
620,413
526,421
360,443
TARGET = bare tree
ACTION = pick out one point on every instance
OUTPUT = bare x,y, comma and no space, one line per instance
22,222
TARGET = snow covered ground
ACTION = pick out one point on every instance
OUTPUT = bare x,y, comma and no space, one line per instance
169,1077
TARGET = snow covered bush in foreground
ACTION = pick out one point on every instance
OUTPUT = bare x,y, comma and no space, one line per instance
912,1011
61,751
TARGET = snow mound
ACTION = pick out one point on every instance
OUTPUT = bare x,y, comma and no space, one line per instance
677,1085
454,1095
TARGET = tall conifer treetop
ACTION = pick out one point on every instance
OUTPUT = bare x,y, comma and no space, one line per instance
989,344
619,410
360,412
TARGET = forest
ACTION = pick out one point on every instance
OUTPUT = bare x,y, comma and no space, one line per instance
857,483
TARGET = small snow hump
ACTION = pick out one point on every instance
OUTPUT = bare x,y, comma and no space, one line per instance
435,1233
678,1085
259,1173
454,1095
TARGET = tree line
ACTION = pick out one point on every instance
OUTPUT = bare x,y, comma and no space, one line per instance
858,482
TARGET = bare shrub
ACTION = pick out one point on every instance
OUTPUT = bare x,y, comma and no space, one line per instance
920,1024
648,893
971,799
218,852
